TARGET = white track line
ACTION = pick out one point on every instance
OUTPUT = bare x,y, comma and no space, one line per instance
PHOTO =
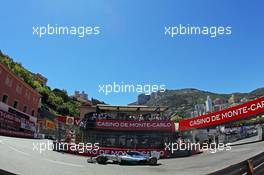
63,163
21,152
49,160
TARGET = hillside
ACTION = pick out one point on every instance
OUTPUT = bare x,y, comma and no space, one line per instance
55,100
182,101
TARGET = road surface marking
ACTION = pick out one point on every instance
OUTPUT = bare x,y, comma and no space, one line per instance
241,149
63,163
259,165
21,152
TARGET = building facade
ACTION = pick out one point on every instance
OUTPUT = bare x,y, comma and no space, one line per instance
80,95
18,94
209,104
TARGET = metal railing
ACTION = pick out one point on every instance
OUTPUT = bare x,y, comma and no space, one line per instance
3,172
252,166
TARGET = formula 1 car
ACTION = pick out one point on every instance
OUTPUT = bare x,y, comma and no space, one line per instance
137,158
129,158
104,158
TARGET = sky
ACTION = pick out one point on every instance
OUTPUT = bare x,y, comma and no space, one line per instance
132,47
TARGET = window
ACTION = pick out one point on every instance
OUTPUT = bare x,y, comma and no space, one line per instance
5,98
8,81
25,109
33,113
109,141
27,94
15,104
19,88
122,141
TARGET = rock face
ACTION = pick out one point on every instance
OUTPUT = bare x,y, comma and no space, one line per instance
183,101
143,99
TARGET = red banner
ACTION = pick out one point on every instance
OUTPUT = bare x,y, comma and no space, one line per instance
127,125
119,151
247,109
15,133
9,117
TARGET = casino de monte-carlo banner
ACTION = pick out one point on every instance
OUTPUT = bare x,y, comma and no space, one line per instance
127,125
248,109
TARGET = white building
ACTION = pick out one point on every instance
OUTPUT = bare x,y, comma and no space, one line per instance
80,96
200,108
209,104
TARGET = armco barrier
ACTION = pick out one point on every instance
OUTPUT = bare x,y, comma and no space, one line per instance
66,147
3,172
252,166
15,133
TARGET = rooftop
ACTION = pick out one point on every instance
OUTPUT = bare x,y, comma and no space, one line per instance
132,108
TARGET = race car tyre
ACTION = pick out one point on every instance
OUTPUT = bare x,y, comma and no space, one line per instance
101,160
91,160
153,161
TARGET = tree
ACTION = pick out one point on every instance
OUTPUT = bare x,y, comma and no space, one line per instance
63,110
61,93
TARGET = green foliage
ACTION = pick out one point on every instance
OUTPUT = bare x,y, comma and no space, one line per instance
175,118
259,119
61,93
56,100
63,110
36,84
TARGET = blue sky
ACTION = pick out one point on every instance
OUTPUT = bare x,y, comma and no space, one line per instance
132,47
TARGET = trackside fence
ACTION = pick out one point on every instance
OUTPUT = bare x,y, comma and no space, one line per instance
252,166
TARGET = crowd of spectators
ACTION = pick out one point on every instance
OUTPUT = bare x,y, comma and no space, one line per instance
92,117
148,117
101,116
